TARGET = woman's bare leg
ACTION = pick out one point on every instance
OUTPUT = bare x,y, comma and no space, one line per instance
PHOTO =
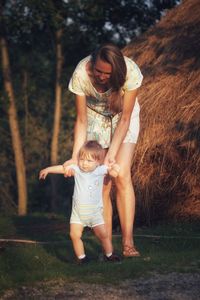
125,193
107,204
107,209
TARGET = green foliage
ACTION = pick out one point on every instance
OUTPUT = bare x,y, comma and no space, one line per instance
116,20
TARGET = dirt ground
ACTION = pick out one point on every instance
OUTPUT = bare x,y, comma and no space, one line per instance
173,286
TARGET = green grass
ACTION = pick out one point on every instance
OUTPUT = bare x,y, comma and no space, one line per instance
175,248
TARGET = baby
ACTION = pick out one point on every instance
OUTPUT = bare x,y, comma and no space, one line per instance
87,205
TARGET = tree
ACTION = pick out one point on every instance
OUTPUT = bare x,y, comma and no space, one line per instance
58,95
57,112
115,20
14,127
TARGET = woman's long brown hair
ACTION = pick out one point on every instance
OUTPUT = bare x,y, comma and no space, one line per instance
112,55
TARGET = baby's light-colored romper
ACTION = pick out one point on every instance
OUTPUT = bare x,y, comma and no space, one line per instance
87,205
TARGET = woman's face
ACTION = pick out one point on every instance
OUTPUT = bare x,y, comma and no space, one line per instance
102,71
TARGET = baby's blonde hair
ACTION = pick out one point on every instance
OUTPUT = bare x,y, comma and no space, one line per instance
92,149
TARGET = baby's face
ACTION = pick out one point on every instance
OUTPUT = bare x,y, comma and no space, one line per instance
87,163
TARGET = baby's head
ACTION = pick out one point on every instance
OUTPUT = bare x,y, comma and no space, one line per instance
91,156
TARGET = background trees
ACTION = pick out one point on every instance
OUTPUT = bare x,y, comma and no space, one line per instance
45,110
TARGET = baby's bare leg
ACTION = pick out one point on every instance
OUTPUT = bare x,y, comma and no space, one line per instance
76,231
102,234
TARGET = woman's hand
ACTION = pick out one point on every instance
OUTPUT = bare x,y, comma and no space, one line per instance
68,172
109,160
114,170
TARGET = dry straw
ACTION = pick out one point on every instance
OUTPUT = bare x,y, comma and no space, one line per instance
166,169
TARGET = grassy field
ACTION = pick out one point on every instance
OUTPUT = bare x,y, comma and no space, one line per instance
164,248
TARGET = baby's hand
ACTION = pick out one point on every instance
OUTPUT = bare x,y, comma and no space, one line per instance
114,170
43,174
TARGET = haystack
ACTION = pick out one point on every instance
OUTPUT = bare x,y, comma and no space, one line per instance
166,169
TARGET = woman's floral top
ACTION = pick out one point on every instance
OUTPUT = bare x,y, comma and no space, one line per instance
101,121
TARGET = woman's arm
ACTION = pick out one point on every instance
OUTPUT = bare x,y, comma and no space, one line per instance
123,125
80,131
80,128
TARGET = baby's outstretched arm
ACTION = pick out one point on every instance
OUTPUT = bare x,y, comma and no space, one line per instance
52,170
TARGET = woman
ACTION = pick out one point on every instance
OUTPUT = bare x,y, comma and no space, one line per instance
106,85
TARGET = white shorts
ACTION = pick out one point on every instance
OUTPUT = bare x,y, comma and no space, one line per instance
87,215
134,128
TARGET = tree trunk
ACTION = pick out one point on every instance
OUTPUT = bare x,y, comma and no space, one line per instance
25,97
58,96
15,134
57,114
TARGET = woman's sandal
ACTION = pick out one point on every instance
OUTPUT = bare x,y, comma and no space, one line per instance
130,251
